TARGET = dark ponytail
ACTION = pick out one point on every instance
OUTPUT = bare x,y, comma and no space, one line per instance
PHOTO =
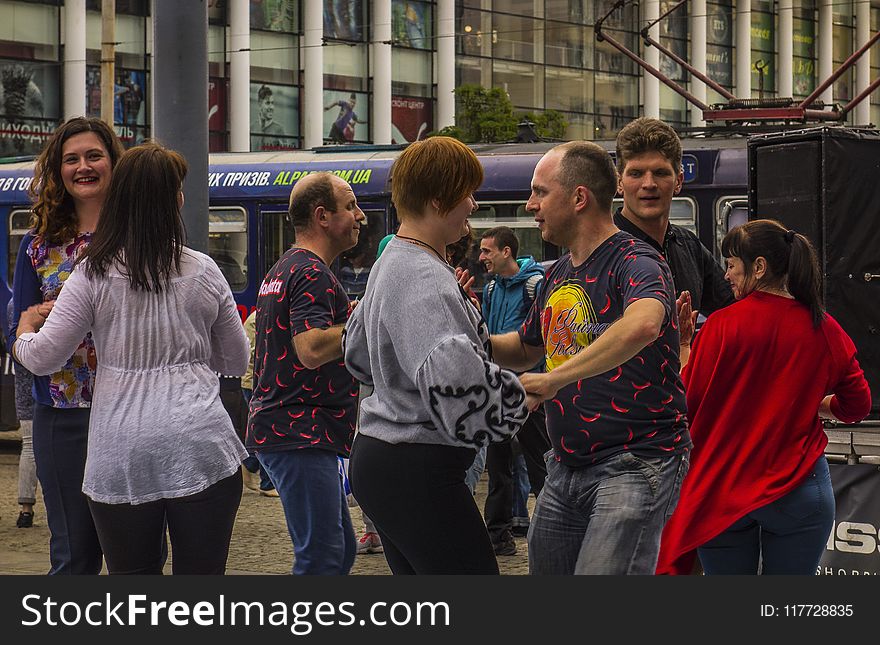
791,260
804,280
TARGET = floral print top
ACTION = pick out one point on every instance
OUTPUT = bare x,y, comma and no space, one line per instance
72,386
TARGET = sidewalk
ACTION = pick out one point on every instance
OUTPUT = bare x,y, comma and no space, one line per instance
260,543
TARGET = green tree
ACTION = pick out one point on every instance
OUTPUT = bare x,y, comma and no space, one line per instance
549,124
486,116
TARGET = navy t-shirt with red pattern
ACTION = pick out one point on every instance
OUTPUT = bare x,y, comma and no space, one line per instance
637,407
294,407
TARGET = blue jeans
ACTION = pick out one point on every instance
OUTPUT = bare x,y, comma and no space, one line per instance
606,518
251,463
60,443
310,488
521,487
473,474
785,537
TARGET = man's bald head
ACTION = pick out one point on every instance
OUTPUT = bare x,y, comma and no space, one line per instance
310,192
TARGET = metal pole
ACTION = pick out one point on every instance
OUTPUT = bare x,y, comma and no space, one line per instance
180,101
239,76
108,60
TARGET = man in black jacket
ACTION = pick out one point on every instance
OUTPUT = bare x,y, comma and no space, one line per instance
649,165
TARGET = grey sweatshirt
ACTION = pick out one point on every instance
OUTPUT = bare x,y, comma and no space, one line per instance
421,343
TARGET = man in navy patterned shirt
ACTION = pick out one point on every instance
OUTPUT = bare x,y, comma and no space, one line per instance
304,402
605,323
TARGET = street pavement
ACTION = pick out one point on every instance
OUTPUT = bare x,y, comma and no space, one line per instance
260,542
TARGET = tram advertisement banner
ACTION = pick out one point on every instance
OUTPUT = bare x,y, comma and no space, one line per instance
30,106
411,118
852,548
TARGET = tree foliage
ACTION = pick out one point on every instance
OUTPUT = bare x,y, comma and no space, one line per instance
487,116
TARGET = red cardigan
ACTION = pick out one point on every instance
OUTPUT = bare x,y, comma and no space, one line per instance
756,376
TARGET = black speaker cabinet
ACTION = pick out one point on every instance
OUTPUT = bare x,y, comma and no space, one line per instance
824,182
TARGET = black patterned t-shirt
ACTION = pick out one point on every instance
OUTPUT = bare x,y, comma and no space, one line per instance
638,406
293,406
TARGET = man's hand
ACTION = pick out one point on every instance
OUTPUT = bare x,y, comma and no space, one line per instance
687,318
539,387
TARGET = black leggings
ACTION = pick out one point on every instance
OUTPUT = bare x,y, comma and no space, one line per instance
423,510
200,525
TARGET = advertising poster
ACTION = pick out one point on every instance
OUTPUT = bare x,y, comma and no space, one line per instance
129,103
411,118
274,117
803,44
673,36
719,38
343,19
411,24
763,40
30,106
273,15
852,548
217,93
345,117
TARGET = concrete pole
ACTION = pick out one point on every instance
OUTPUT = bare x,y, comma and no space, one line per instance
743,49
108,60
862,112
698,57
74,58
313,75
826,40
180,101
445,63
784,42
381,116
652,57
239,76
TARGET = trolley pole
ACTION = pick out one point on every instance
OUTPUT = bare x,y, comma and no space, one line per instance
179,100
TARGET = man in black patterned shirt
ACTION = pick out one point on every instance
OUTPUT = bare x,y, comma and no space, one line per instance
304,402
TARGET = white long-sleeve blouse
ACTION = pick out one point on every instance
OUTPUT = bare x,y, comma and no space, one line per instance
158,428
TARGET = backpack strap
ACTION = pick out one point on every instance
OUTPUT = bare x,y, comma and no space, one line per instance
530,288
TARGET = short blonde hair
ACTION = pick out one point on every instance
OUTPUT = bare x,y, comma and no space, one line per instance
440,168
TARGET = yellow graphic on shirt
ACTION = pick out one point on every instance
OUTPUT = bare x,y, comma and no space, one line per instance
568,323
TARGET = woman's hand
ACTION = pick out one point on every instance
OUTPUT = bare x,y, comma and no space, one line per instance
33,317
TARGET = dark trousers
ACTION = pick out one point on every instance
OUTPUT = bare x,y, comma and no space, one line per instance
60,437
534,444
422,508
200,527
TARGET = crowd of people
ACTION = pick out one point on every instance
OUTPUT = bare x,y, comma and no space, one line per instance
652,447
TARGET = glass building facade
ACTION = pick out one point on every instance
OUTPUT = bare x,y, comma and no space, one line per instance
542,53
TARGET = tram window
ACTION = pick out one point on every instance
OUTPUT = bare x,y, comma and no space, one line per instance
276,238
227,244
682,212
19,225
512,215
354,265
730,212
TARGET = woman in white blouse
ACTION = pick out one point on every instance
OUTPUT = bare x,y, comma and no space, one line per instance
161,448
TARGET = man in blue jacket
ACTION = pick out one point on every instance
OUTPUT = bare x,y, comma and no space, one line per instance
507,299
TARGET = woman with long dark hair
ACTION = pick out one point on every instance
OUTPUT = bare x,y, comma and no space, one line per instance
762,373
71,178
162,449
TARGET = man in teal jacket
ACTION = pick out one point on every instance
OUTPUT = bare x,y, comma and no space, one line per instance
507,299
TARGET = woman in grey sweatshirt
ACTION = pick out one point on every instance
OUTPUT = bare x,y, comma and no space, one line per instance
437,397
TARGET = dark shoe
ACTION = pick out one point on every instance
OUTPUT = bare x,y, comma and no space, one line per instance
519,531
505,547
25,520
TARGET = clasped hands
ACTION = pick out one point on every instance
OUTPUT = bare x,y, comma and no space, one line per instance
34,317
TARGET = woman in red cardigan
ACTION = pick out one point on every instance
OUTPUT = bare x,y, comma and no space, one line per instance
761,374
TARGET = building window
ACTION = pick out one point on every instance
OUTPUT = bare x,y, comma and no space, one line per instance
274,117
